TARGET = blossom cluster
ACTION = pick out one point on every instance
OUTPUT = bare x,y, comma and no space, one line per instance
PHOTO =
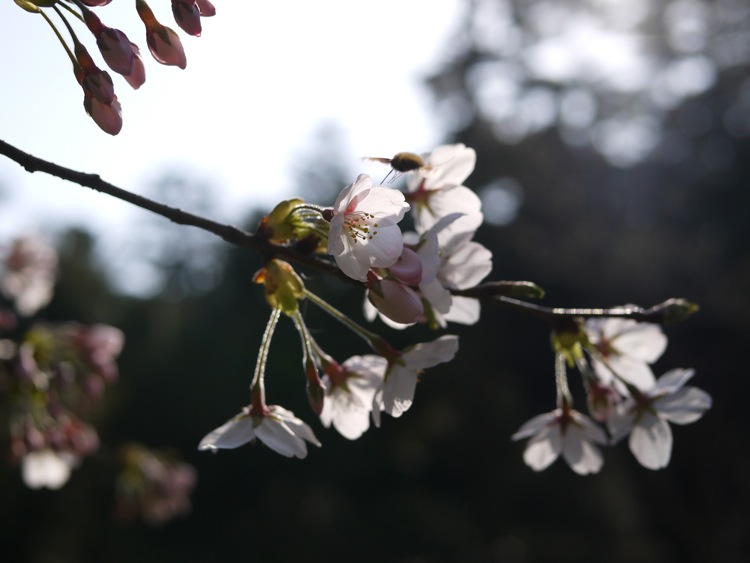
422,277
614,357
407,279
119,53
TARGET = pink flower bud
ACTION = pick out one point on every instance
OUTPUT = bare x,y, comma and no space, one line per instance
113,44
206,8
164,44
94,3
138,75
107,116
187,15
408,268
396,301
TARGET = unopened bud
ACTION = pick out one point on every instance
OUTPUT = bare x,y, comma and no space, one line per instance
283,287
396,301
671,310
279,221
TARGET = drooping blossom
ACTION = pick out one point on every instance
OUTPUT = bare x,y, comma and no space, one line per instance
562,431
349,394
646,416
364,232
625,347
277,428
396,394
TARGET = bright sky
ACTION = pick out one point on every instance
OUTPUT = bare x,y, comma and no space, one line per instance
258,82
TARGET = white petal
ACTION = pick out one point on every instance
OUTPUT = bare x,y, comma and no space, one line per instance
620,421
685,406
543,449
535,425
429,354
233,434
386,204
459,199
581,455
280,438
642,341
464,311
651,441
466,266
398,391
672,381
633,371
383,249
450,165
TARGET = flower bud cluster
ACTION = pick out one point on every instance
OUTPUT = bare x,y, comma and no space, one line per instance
119,53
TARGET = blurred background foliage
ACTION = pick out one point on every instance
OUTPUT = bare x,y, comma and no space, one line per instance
613,143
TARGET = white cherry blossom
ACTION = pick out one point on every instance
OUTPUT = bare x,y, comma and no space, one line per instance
348,402
628,347
277,428
646,416
364,233
438,191
566,432
396,394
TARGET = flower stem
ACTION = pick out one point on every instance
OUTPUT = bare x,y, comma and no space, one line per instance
60,37
564,398
376,342
257,386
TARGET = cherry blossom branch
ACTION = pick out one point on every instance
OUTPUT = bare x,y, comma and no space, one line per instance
501,292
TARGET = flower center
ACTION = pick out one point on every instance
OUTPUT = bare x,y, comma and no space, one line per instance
359,226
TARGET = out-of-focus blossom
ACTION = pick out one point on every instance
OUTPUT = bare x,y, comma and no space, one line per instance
349,394
396,394
30,268
164,44
364,233
47,468
99,345
277,428
562,431
646,416
625,347
153,485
